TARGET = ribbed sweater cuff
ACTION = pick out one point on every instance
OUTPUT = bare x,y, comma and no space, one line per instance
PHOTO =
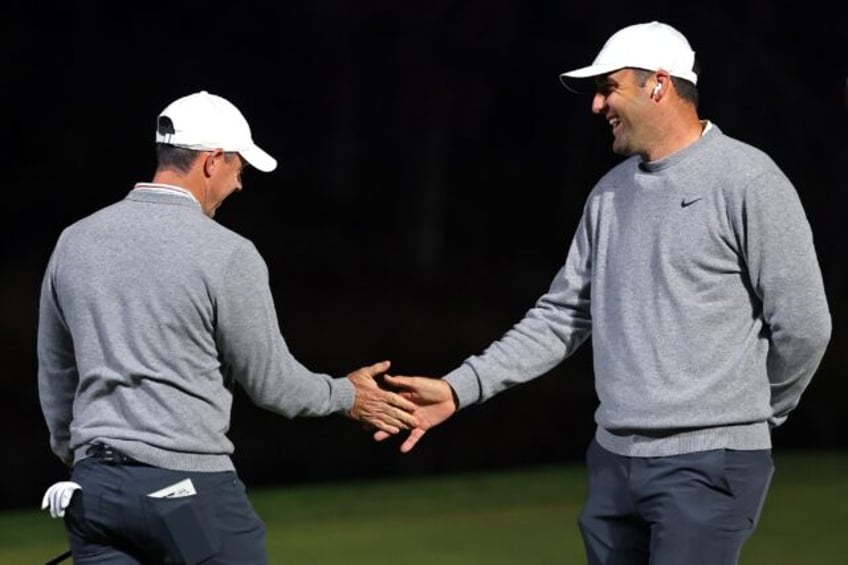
465,384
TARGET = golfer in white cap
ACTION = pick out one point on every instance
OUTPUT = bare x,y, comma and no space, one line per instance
693,270
151,313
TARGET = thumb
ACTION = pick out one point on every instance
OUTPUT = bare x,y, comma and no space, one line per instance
399,381
377,368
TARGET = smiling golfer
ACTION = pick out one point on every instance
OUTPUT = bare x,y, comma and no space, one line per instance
693,270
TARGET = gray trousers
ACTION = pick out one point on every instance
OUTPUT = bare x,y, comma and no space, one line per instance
113,521
691,509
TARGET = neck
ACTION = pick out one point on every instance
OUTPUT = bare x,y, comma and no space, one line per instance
679,127
188,181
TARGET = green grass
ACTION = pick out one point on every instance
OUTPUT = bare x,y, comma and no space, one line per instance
526,516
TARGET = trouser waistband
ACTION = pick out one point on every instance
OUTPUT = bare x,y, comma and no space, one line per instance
110,455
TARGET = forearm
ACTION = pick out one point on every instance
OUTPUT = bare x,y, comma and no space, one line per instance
551,331
279,383
273,378
785,273
792,361
57,374
800,327
57,408
250,342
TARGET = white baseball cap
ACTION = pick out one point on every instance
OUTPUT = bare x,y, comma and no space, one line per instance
203,122
650,46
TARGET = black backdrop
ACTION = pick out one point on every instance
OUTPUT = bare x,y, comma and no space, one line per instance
432,173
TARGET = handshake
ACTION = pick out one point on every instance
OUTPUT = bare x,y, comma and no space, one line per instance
400,403
388,407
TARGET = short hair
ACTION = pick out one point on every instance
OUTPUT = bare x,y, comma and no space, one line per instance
180,158
172,157
686,89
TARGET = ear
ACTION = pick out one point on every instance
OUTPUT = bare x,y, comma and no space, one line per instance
656,90
662,85
211,161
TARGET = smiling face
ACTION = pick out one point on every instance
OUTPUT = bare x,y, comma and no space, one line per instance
628,107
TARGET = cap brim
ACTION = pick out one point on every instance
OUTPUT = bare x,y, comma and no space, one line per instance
258,159
572,79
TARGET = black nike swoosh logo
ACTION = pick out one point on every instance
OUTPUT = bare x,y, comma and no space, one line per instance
684,203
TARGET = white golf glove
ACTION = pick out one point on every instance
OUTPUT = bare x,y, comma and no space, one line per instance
58,497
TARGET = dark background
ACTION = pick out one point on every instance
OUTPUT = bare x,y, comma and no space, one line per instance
432,171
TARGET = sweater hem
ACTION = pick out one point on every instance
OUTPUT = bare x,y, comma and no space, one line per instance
742,437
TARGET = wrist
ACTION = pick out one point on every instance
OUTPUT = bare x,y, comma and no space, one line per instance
454,398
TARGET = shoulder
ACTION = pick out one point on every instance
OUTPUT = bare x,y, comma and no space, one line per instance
736,157
90,225
225,236
620,177
240,252
749,182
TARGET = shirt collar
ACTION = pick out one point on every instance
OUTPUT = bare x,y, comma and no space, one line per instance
162,188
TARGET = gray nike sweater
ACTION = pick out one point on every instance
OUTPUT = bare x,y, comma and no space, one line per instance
697,279
149,312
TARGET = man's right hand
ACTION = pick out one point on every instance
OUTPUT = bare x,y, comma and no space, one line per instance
435,400
387,411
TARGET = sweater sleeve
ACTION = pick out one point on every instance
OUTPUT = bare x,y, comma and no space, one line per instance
255,353
57,369
777,244
552,330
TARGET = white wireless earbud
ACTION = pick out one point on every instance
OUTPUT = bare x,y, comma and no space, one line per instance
657,88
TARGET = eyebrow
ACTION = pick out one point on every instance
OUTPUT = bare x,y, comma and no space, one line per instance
605,83
606,79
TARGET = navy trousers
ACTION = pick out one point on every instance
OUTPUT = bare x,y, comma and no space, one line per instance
114,521
691,509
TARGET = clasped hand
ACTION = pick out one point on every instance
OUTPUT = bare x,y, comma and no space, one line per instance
384,410
402,403
434,399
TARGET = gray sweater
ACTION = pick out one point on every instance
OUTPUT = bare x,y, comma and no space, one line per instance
149,312
697,279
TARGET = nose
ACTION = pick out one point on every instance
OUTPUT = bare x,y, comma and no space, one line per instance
599,103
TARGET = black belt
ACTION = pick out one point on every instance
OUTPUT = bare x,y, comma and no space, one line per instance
110,455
